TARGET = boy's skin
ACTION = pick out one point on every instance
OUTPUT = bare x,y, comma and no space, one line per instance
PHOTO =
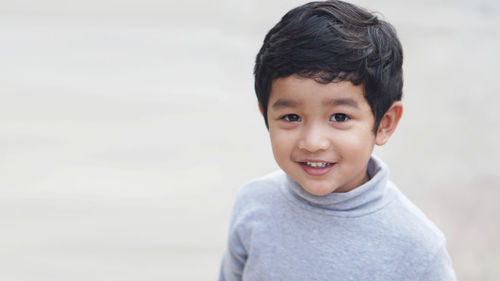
322,135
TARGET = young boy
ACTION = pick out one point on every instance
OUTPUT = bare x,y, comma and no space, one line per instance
329,83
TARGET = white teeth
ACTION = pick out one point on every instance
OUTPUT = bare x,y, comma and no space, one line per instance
316,164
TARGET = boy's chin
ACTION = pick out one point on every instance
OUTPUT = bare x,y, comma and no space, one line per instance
319,193
326,187
319,190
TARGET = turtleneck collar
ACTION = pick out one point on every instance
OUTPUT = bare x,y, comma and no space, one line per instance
364,199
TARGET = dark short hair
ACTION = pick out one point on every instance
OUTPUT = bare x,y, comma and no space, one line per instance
333,41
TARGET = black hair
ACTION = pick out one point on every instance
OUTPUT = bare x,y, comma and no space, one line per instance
333,41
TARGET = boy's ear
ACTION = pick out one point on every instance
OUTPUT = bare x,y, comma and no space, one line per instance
261,110
388,123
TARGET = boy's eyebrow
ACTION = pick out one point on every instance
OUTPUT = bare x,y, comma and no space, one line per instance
341,101
282,103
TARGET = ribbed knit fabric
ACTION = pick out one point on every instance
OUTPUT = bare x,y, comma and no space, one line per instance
279,231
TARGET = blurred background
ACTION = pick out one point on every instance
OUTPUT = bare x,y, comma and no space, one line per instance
126,128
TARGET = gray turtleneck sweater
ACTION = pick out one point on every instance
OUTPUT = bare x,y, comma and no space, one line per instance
281,232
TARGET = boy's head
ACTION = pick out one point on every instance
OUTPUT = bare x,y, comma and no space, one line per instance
333,41
328,78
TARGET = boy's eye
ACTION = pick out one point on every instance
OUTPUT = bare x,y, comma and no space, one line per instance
339,117
291,118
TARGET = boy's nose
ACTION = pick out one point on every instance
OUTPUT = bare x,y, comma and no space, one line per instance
314,139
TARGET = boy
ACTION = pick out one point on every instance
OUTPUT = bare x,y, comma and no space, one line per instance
329,83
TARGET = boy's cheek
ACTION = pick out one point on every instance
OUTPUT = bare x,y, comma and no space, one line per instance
281,143
277,142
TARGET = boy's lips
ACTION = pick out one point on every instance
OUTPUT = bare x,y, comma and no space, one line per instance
316,167
316,164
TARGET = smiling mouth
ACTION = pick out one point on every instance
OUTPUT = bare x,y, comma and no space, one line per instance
317,164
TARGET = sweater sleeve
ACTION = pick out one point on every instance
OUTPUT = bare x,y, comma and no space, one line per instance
234,259
235,255
440,269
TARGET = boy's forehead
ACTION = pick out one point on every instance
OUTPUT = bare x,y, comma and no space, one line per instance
294,91
297,81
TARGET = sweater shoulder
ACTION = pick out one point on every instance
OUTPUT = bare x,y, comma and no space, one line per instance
261,190
413,237
415,217
413,227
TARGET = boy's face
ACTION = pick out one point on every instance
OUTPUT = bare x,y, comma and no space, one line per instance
322,134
